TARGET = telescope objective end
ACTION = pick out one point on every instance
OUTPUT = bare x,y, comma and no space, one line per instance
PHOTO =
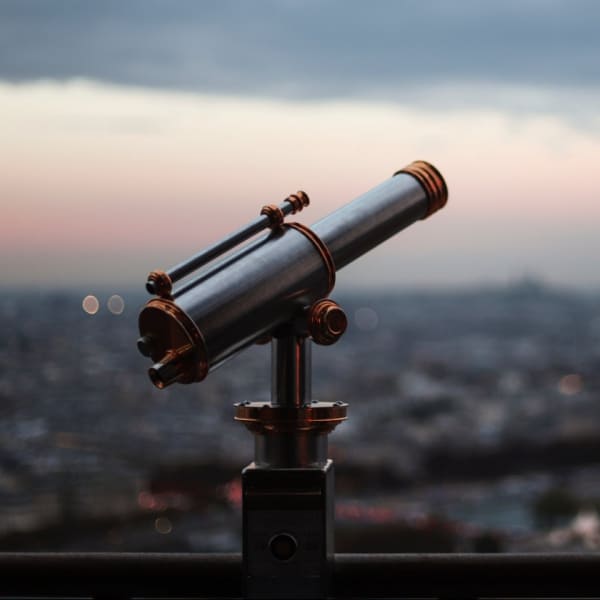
431,181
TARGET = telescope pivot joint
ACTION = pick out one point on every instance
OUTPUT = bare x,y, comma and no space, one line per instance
327,322
324,322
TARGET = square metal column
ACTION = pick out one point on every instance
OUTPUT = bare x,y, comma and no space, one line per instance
288,531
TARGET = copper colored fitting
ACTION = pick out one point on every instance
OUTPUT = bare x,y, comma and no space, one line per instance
275,214
261,418
322,249
431,181
327,322
298,201
173,342
159,283
172,367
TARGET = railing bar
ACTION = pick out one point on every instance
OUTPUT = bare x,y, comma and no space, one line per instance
185,576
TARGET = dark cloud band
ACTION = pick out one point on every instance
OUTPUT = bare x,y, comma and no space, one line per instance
304,49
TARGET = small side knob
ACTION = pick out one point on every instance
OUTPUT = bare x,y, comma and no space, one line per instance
159,283
326,322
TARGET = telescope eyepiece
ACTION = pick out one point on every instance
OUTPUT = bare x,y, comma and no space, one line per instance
171,367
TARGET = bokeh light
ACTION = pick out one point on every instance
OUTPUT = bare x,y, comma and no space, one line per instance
569,385
116,304
90,305
163,525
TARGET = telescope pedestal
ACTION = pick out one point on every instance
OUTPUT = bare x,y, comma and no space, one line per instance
288,491
288,531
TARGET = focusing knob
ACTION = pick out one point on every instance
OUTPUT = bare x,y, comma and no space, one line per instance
326,322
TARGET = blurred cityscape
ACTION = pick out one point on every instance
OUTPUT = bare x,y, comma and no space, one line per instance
474,425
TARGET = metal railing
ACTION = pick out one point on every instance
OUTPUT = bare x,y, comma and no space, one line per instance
449,576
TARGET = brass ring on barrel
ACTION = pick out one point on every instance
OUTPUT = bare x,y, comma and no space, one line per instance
431,181
321,248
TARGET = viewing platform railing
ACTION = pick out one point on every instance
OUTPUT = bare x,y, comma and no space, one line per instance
448,576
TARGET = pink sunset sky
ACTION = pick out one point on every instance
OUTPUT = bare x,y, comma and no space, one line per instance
104,178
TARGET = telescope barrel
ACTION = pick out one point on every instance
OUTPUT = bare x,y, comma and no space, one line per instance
259,288
372,218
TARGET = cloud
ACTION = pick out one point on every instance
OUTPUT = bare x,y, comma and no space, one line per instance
412,52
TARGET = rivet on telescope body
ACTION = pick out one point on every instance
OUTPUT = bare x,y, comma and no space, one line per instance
164,373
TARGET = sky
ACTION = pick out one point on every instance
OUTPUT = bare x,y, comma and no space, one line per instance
132,134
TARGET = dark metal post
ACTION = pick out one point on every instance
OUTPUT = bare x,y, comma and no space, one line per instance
290,371
288,490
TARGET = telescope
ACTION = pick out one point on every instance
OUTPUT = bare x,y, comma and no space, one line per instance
248,295
270,280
